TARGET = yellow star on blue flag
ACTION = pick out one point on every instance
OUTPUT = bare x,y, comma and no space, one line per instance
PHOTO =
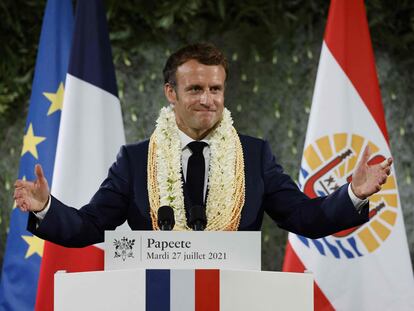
35,245
30,142
56,99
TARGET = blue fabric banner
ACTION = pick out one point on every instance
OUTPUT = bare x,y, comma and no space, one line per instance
24,251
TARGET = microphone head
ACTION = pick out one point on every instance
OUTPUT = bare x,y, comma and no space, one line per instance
166,219
197,217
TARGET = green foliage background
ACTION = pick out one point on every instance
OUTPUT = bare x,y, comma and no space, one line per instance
273,48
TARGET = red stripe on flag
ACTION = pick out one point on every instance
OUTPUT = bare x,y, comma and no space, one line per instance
292,263
57,258
207,290
347,37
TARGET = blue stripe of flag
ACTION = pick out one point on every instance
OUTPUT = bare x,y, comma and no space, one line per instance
157,296
91,54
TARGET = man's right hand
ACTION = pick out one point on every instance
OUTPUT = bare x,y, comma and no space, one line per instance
32,196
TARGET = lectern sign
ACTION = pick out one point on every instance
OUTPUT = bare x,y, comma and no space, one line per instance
182,250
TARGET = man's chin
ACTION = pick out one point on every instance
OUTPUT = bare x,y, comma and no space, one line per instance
208,125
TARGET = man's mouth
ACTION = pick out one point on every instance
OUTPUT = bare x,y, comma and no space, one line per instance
205,110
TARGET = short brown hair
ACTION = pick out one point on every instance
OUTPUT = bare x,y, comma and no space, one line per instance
204,53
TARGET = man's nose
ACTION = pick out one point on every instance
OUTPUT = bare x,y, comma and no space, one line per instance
205,98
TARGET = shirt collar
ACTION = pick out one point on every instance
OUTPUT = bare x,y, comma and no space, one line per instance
185,139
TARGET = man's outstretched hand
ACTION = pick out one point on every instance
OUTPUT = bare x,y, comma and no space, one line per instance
368,179
32,196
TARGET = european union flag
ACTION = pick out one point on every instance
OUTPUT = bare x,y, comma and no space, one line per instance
23,250
91,133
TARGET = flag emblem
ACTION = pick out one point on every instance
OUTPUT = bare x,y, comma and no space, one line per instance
327,164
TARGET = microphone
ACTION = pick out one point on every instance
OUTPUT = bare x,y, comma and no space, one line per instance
166,220
197,218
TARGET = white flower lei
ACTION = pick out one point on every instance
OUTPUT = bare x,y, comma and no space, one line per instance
226,173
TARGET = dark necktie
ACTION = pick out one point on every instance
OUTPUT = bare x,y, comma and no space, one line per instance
196,172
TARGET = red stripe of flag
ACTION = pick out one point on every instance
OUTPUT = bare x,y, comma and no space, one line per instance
88,258
207,290
347,37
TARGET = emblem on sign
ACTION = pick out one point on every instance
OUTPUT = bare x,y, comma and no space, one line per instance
327,164
124,248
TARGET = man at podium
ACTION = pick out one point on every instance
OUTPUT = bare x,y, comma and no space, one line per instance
198,164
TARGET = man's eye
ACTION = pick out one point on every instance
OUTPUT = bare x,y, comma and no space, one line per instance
195,89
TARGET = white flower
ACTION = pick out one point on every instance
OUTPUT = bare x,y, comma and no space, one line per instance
224,201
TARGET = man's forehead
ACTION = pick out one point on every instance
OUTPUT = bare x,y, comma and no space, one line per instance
194,68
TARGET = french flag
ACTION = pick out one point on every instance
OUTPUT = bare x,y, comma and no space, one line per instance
91,133
197,290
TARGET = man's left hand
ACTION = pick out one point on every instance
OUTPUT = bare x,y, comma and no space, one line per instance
368,179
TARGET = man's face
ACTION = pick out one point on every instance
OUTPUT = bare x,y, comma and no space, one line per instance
198,97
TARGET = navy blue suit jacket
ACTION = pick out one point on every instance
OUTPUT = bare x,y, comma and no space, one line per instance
123,197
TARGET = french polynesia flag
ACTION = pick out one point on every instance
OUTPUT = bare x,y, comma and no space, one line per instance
91,133
368,267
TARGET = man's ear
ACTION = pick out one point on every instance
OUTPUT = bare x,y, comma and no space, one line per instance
170,93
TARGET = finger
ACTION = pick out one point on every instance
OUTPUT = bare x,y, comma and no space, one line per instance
20,183
20,193
23,184
384,164
26,206
23,207
366,155
17,195
19,202
39,174
384,179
